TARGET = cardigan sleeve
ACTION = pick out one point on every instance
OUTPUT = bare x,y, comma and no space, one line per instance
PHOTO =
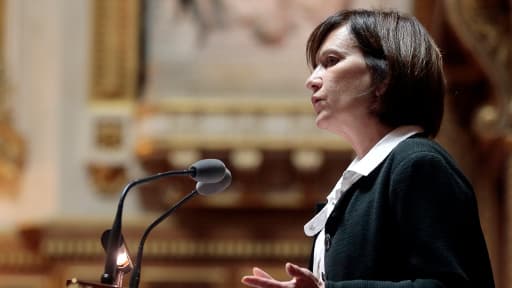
439,231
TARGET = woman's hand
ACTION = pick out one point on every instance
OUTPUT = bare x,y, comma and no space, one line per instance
301,278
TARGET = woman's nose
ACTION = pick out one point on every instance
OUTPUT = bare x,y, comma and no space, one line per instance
314,82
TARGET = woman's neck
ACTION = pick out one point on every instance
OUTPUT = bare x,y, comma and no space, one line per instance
364,135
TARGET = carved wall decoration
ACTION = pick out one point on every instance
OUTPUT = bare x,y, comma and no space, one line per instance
485,27
12,145
115,50
109,145
108,133
12,158
108,179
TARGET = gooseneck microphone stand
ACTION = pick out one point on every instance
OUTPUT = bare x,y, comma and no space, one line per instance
114,241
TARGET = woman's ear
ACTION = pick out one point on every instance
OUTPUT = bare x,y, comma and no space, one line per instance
381,88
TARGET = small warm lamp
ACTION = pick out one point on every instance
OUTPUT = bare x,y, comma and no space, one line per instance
123,261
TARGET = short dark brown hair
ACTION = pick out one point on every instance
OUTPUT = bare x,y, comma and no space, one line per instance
398,50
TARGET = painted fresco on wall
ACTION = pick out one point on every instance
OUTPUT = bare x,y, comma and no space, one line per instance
229,48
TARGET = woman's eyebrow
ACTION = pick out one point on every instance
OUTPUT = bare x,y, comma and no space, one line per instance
323,52
329,50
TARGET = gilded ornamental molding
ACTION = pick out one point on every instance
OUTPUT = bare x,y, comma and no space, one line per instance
115,50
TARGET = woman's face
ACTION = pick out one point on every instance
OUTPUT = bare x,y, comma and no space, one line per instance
341,83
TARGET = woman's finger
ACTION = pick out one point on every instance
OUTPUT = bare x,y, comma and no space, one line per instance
303,277
260,273
296,271
259,282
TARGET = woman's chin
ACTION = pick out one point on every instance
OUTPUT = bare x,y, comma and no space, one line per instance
321,123
324,124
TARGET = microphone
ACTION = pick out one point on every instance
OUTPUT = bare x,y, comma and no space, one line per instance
206,170
201,188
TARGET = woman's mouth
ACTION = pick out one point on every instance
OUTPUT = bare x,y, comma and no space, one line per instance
317,103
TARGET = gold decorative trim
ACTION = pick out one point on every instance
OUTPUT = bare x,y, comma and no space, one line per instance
146,147
228,105
115,49
20,260
161,249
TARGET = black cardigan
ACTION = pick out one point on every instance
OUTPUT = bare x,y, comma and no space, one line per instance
412,222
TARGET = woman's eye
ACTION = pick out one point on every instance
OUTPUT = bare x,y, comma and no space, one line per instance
330,61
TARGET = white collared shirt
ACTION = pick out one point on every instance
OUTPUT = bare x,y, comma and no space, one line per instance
357,169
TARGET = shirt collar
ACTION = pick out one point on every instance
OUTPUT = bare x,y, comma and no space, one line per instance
381,150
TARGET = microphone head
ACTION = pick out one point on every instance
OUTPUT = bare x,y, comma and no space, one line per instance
210,188
208,170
